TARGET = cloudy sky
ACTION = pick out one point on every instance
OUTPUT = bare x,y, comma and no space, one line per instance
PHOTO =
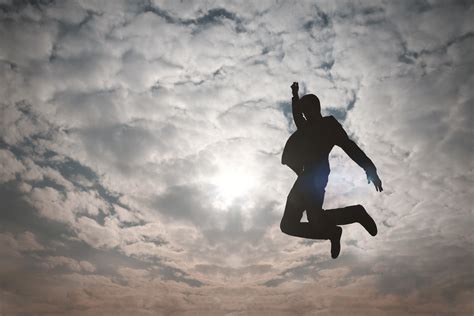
140,147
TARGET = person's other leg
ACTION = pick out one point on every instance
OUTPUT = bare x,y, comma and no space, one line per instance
352,214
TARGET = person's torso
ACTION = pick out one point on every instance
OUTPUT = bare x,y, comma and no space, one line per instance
309,147
317,142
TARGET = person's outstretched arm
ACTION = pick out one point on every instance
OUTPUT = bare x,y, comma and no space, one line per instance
359,157
297,115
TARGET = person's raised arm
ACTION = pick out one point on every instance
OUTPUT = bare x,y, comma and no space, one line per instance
297,115
359,157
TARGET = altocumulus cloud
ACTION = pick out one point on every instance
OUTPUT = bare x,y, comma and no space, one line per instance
140,156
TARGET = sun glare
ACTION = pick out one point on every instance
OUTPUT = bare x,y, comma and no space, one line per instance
232,184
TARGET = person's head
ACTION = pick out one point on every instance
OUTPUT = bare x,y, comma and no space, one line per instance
310,107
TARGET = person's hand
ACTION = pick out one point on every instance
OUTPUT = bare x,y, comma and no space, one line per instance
294,89
373,177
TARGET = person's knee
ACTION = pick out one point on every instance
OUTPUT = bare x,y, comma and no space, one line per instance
284,227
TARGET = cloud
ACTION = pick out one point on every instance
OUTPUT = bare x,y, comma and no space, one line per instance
10,166
71,264
22,242
140,156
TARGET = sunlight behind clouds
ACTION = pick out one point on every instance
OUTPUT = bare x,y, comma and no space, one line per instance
236,176
233,182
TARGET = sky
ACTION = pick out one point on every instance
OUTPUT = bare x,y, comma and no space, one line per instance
140,156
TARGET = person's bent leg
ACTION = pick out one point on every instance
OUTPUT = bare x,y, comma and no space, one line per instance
318,226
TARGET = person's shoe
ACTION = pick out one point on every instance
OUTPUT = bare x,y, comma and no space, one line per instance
336,243
367,222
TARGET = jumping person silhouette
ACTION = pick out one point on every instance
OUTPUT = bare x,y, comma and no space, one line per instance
306,152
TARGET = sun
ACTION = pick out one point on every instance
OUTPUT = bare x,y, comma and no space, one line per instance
231,184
